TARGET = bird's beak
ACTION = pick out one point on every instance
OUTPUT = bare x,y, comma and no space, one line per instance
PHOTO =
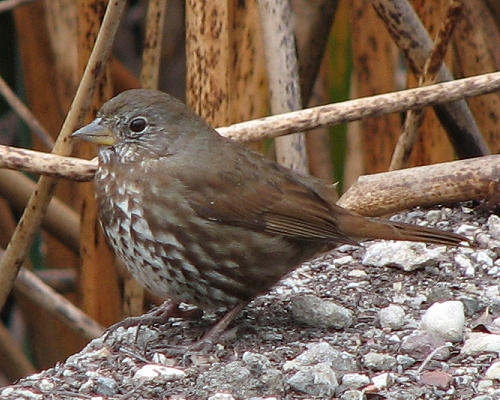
96,133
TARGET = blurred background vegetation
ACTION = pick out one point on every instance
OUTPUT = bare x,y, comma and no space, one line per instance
44,46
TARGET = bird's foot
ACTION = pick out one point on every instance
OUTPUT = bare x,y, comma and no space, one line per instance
157,316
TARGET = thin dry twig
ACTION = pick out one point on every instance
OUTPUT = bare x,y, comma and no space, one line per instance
76,169
13,361
415,117
21,240
412,38
25,114
60,220
35,289
352,110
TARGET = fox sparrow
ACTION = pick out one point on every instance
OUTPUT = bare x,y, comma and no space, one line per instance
199,218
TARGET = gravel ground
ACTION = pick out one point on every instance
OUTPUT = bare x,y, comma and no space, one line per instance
385,321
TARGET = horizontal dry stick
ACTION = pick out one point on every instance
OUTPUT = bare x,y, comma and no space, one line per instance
49,164
352,110
33,288
276,125
450,182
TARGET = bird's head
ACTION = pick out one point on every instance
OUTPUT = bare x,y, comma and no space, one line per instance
140,123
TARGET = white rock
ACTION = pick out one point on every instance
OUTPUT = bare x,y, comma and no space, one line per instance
494,226
221,396
316,380
446,320
157,372
46,385
407,256
479,343
482,257
342,260
484,384
382,381
379,362
493,372
355,381
466,264
357,273
314,311
392,317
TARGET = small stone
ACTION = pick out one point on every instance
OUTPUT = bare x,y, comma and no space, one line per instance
439,379
379,362
484,384
382,381
482,257
419,344
322,352
493,372
313,311
466,229
357,273
465,264
352,395
221,396
480,343
157,372
160,358
433,216
342,260
493,225
446,320
407,256
106,386
392,317
355,381
316,380
46,385
439,294
405,361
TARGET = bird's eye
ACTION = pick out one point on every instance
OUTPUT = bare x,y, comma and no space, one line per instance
138,124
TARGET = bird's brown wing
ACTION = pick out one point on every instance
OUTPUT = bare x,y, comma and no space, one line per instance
280,203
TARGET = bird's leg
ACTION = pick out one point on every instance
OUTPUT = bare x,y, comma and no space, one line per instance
211,336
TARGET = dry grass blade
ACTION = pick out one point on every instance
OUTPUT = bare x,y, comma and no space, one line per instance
22,238
414,118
